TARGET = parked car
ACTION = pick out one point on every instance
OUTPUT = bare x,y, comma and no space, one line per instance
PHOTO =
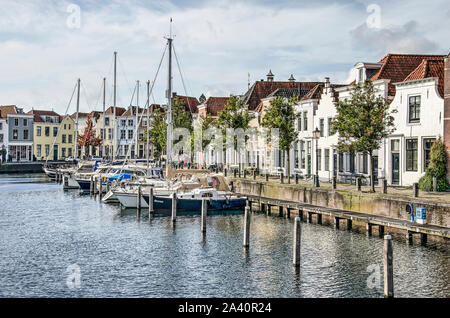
70,159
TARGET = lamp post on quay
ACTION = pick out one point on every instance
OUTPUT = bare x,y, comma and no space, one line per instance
316,136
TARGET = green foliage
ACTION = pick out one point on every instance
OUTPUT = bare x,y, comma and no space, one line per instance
437,168
206,123
363,121
234,115
157,131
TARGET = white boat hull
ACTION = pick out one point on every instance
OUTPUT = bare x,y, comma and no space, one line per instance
129,200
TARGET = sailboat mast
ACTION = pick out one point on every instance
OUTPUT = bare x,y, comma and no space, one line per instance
76,120
148,124
115,119
137,119
169,101
104,106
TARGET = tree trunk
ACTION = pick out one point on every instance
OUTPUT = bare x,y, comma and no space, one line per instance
372,180
289,166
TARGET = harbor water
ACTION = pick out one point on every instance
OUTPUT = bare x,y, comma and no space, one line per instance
49,236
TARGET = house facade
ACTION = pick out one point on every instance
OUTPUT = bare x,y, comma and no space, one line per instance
20,136
53,135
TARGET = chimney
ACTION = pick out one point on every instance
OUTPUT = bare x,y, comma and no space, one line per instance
291,79
446,136
270,76
327,85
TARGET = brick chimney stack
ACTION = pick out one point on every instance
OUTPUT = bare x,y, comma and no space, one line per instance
447,110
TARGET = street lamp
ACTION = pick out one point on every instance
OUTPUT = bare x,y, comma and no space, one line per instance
316,136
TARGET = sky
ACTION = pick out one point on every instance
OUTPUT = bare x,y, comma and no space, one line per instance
45,46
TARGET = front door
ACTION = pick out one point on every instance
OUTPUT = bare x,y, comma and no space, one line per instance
395,168
55,152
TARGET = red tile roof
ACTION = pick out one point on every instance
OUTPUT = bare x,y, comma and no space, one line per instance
263,89
38,113
397,67
128,112
214,105
190,103
429,68
5,110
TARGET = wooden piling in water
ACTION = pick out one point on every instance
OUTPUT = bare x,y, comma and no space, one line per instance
91,186
369,228
204,214
174,207
388,268
100,192
139,197
336,223
247,227
297,242
150,203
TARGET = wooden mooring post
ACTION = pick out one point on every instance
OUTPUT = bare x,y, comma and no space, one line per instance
333,183
388,267
204,214
174,207
100,192
247,227
415,190
91,186
139,198
150,203
358,184
297,242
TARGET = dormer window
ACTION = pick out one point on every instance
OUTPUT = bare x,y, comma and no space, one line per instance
361,72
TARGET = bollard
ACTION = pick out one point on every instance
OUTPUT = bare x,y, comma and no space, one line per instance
415,190
239,173
139,197
247,227
384,186
150,202
254,174
388,268
296,178
234,173
245,174
232,186
358,184
91,186
297,242
281,178
434,184
174,207
267,177
333,182
225,172
204,214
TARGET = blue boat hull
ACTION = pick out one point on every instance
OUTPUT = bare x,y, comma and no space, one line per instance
164,204
85,185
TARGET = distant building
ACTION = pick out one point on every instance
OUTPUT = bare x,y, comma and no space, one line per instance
53,135
20,134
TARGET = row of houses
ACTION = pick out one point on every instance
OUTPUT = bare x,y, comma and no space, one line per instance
417,86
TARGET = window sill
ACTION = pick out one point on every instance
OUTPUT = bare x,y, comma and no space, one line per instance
413,123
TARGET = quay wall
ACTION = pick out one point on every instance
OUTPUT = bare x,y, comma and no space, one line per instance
378,204
32,167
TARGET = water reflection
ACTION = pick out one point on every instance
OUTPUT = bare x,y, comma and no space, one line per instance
45,229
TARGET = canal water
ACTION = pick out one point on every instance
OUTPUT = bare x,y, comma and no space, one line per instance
63,244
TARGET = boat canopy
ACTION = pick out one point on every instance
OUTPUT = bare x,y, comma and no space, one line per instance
121,176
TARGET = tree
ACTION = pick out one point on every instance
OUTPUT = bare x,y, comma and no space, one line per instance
280,115
234,115
437,168
88,138
202,99
205,123
362,122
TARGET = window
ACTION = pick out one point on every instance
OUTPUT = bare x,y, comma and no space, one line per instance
64,139
362,163
47,131
102,133
47,150
109,133
319,159
123,122
55,131
395,145
414,109
70,139
329,126
25,122
25,134
15,134
130,122
122,134
39,151
106,121
305,120
130,134
70,126
16,122
427,144
1,126
322,127
341,162
64,152
296,161
1,137
70,152
38,131
411,155
299,123
302,155
327,159
361,75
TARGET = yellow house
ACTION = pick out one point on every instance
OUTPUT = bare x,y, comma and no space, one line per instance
53,135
